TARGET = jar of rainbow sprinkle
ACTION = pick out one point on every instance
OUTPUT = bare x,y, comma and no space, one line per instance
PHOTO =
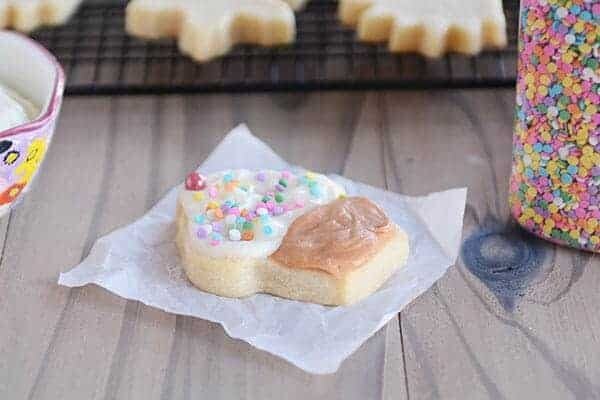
555,179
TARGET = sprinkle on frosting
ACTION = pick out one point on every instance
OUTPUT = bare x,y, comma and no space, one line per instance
224,212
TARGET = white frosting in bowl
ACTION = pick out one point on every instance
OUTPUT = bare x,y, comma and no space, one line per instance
249,192
14,109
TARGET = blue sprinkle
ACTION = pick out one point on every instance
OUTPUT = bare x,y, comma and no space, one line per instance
566,178
586,16
200,219
547,148
216,236
572,169
575,9
538,147
267,230
227,177
264,218
529,172
556,90
543,172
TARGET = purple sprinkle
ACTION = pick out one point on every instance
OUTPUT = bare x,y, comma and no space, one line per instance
279,188
217,226
260,177
595,171
278,210
201,233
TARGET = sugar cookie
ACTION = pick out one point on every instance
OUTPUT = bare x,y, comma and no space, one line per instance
27,15
430,27
296,5
209,28
292,235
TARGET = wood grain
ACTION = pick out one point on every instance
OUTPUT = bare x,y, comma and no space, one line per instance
468,337
462,338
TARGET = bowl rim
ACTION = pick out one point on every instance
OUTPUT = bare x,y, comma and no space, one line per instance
57,91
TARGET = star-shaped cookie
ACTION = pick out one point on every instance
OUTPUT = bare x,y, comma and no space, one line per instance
297,5
209,28
429,27
27,15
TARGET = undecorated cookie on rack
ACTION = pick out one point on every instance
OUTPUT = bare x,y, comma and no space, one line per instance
429,27
27,15
297,5
209,28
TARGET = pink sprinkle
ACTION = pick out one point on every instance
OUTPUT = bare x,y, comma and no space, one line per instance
286,174
299,204
234,211
212,192
548,196
214,242
270,205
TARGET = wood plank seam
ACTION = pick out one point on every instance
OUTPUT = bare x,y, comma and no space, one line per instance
92,234
385,148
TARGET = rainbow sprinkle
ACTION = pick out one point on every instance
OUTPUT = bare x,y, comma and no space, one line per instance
555,180
225,220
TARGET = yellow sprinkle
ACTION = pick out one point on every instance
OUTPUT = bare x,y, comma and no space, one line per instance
573,160
198,196
594,239
212,205
574,234
585,48
553,208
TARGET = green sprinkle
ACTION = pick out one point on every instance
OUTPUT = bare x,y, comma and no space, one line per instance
283,182
247,226
278,198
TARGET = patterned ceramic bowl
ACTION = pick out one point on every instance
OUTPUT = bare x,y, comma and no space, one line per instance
33,73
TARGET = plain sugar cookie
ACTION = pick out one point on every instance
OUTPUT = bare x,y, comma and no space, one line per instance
297,5
292,235
27,15
209,28
429,27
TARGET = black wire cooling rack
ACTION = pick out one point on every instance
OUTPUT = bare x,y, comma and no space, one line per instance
100,58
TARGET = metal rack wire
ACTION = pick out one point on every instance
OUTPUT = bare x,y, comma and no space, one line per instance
100,58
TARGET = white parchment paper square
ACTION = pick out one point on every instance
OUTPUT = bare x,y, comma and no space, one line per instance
140,262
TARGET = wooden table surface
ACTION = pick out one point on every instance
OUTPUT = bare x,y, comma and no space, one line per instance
516,318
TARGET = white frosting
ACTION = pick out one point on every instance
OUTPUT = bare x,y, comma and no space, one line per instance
262,245
14,109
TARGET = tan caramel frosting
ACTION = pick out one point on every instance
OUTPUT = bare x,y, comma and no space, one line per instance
336,237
